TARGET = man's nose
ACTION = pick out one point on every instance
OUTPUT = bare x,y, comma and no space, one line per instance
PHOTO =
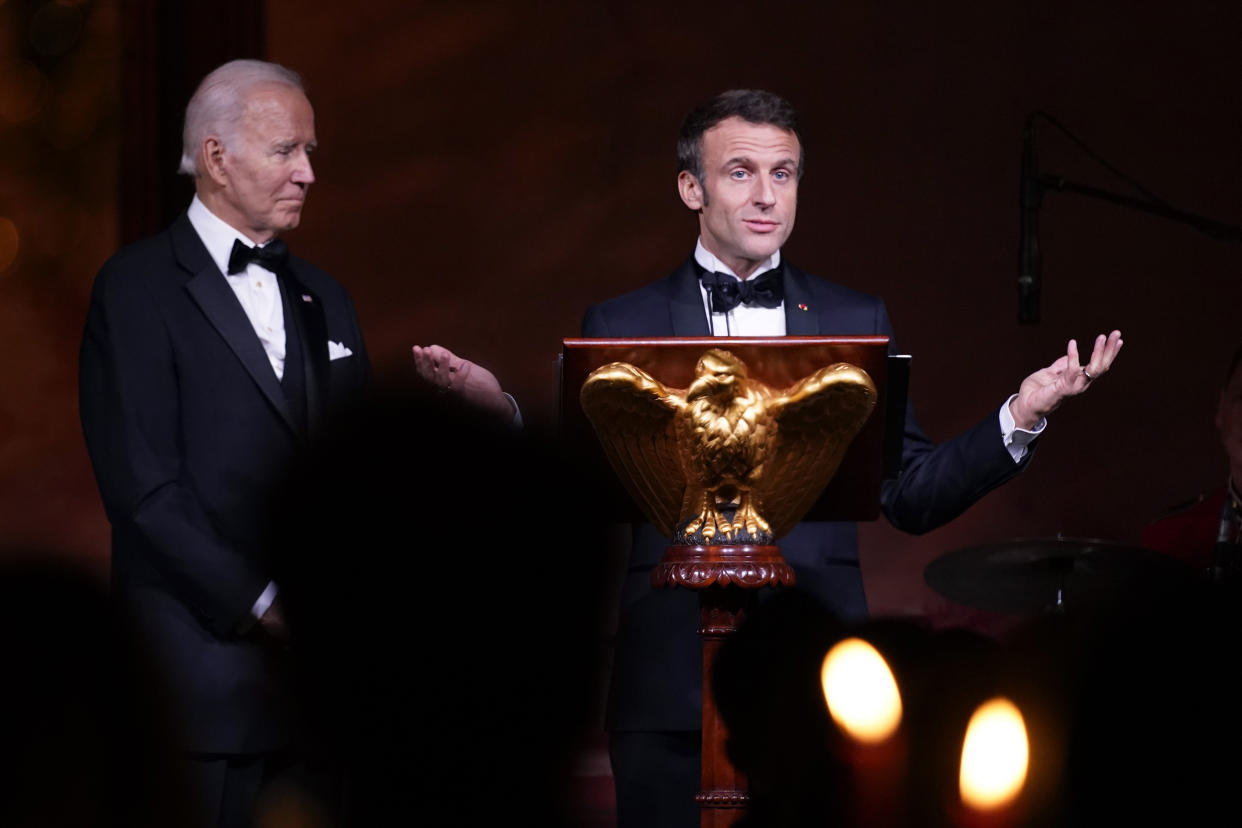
765,192
303,173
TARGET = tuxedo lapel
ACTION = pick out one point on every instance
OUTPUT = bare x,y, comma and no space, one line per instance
306,312
211,292
802,317
686,311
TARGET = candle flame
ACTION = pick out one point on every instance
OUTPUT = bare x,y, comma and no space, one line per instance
861,692
995,755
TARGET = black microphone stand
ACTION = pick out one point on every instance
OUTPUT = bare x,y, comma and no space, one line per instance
1034,185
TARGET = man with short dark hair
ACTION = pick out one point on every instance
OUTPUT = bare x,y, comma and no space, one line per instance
211,358
741,160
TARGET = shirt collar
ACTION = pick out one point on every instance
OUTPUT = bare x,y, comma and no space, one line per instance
216,233
710,263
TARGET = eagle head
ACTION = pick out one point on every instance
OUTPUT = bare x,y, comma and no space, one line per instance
717,374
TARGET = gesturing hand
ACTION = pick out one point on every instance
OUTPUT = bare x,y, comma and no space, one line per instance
1043,391
448,372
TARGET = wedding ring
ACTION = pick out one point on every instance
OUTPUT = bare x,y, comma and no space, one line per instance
1087,375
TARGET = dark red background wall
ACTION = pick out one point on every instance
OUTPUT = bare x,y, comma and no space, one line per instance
487,170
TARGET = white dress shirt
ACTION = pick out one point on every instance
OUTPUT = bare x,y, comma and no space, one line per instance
256,286
746,320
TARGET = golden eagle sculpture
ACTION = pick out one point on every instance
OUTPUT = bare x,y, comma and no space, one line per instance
727,460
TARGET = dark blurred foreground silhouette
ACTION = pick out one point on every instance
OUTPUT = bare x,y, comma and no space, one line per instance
443,580
85,726
1129,704
441,574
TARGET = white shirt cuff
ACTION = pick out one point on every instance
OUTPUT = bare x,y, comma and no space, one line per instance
264,600
1016,439
517,412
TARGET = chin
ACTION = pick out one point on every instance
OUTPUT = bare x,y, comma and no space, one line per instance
764,246
762,254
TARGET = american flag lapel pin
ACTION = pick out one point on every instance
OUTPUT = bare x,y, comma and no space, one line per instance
801,306
306,297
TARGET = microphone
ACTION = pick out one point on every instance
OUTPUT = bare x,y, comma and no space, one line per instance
1030,194
1225,554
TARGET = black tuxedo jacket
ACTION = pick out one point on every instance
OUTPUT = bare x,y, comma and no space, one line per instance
657,670
189,430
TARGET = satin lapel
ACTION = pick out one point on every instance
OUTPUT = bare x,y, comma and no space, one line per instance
219,304
802,317
686,310
307,312
212,294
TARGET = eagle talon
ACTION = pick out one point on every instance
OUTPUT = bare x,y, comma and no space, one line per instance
704,527
747,520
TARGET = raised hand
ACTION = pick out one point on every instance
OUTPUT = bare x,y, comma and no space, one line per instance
450,373
1043,391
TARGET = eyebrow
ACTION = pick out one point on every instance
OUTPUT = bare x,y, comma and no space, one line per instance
745,161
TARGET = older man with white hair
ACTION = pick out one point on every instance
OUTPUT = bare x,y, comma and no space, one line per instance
211,358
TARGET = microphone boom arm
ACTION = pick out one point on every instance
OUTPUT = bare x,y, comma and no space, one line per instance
1211,227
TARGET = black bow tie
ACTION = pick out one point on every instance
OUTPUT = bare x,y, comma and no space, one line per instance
274,256
726,292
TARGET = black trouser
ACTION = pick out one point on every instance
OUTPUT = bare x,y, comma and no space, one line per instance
657,776
228,787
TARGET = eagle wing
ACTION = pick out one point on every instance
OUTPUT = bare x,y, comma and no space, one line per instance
816,420
633,413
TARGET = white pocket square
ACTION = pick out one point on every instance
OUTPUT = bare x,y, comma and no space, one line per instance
337,351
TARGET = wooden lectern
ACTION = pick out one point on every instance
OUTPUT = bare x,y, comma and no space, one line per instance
727,576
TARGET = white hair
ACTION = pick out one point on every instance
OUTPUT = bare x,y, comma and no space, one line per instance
217,105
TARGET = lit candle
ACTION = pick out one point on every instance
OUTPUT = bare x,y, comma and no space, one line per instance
863,700
995,761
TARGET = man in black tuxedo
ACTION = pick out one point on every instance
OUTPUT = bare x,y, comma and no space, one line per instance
211,359
740,159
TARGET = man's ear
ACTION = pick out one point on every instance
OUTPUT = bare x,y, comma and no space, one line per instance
691,191
212,155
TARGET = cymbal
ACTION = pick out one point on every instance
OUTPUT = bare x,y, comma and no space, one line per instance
1028,575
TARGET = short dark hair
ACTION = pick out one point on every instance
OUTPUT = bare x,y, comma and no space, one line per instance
753,105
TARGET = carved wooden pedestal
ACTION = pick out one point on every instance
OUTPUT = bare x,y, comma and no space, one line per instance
726,578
